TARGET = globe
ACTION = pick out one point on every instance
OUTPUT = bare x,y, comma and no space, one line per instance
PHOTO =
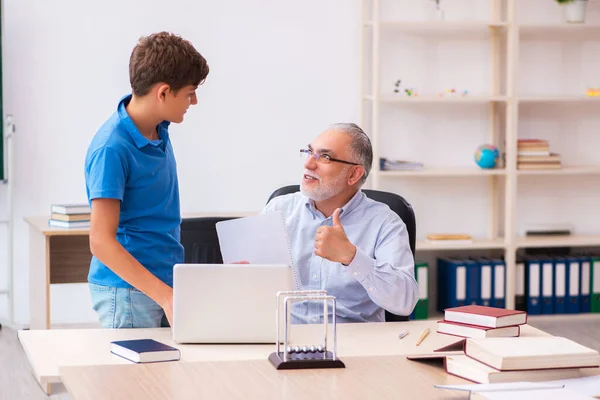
487,155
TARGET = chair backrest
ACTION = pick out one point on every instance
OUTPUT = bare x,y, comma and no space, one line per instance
200,241
397,204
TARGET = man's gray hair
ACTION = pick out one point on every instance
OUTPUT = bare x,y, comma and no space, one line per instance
362,151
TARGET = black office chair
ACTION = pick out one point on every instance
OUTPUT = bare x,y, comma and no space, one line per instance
200,241
398,204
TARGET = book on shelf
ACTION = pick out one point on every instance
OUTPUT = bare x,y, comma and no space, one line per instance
539,166
79,208
476,331
490,317
144,350
531,352
449,238
551,158
68,224
70,217
399,165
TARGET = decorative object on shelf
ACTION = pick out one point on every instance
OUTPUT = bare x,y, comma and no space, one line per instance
453,93
410,92
439,12
593,92
574,10
487,156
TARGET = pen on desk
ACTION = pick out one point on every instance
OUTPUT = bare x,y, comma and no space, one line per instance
403,334
423,336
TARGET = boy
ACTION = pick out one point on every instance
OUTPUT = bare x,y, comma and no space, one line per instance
131,183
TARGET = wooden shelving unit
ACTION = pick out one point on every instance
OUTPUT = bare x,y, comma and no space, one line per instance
503,101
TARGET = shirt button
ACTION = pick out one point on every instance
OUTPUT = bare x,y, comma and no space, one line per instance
370,289
355,274
314,319
315,277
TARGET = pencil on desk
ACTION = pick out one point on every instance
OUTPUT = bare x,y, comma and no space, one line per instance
423,336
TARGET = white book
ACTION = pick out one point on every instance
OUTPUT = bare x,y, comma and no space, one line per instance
69,224
82,208
525,353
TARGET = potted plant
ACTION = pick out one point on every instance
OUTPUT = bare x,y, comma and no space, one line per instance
574,10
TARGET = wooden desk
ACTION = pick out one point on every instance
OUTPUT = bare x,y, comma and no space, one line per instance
391,377
61,255
48,350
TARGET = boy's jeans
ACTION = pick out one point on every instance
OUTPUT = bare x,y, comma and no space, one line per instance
126,308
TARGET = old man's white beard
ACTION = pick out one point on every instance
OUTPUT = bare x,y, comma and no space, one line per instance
326,190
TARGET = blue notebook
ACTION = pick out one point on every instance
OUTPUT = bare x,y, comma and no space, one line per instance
144,350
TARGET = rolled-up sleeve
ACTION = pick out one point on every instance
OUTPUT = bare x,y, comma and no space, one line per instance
388,274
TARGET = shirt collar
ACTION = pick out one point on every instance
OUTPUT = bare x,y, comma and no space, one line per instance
135,134
345,209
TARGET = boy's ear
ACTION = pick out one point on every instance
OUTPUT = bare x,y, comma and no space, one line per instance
162,91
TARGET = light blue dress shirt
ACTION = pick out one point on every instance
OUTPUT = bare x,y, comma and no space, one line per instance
381,276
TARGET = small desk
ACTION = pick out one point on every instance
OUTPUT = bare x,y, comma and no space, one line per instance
62,255
384,377
47,350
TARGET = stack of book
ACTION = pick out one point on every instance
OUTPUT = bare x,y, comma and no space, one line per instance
70,215
398,165
535,154
482,322
530,359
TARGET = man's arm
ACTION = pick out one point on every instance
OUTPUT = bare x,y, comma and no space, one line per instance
389,277
104,245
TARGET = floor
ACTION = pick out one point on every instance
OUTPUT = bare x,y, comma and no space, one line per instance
17,382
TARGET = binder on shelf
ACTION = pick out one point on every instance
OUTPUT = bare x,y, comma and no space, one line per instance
560,285
473,282
573,298
499,280
533,284
452,283
485,266
520,300
595,284
421,310
547,277
585,282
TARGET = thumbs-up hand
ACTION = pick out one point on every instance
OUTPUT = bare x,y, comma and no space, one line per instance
332,243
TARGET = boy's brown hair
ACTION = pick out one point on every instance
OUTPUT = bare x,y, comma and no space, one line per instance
165,57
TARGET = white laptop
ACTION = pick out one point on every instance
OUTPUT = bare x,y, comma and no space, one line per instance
227,303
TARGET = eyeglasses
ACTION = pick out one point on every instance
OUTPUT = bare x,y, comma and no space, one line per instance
323,158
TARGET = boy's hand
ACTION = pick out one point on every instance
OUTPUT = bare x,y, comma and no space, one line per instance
332,243
167,305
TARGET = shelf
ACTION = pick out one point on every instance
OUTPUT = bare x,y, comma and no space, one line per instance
567,170
558,241
442,171
477,244
559,31
454,28
559,99
433,99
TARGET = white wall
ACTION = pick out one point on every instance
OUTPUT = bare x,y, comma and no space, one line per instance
281,71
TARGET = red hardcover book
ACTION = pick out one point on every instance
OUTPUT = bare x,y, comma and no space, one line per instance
490,317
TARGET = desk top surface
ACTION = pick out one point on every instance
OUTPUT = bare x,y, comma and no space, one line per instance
48,350
40,223
383,377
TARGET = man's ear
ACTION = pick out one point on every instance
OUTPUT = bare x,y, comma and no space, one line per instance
357,172
162,91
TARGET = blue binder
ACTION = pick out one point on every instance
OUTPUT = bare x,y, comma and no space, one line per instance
473,282
585,298
452,283
573,285
547,277
499,280
487,281
560,286
533,286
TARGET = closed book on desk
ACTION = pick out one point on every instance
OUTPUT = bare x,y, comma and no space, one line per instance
490,317
144,350
475,331
470,369
525,353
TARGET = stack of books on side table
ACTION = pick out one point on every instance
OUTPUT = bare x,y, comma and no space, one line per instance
70,215
481,322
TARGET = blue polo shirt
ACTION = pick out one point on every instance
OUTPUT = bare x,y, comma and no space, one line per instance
122,164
